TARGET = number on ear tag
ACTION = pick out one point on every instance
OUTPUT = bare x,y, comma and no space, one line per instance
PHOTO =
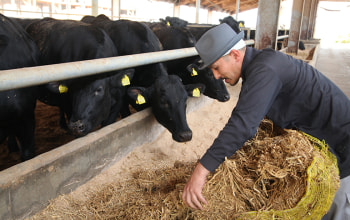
125,81
63,89
194,72
196,92
140,99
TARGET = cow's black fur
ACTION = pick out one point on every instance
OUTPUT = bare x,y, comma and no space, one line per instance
187,68
17,119
89,101
131,37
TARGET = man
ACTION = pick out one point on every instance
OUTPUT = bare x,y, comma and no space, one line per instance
288,91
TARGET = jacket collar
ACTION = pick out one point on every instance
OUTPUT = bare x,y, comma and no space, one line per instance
249,56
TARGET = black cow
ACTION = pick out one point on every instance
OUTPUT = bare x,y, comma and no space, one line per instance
284,43
88,101
187,68
17,119
236,26
152,86
24,22
232,23
167,96
198,31
174,21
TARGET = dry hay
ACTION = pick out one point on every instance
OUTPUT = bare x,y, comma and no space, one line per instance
150,194
268,173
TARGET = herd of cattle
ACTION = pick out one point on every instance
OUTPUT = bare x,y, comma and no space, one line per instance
89,102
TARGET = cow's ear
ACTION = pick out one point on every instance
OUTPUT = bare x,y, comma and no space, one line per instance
195,90
123,78
192,69
57,87
139,95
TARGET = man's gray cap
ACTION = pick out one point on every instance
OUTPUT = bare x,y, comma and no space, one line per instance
215,42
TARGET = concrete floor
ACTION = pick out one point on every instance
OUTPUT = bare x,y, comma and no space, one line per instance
334,61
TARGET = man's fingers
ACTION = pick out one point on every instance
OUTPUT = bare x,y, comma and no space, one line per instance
192,194
202,199
197,204
191,201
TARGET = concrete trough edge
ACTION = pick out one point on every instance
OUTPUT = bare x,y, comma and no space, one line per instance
26,188
312,42
313,61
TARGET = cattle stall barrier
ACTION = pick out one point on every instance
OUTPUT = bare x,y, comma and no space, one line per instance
37,75
26,188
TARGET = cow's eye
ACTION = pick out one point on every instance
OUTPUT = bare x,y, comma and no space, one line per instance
164,102
98,91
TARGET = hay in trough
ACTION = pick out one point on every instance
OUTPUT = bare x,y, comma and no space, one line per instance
305,55
150,194
277,170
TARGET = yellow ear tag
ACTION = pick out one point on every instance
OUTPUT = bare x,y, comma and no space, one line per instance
168,23
140,99
62,89
125,80
194,72
196,92
241,25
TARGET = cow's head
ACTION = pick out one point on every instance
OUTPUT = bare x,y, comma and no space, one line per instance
214,88
232,23
93,101
168,98
98,102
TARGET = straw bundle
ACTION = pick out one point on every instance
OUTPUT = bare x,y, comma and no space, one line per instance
268,173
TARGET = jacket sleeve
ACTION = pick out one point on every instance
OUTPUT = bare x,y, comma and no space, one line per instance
260,87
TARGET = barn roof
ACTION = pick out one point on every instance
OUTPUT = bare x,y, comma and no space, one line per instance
228,6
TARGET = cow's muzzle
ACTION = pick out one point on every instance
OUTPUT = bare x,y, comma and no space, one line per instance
182,136
77,128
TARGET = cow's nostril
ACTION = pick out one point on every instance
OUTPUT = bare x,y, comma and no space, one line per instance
78,127
81,127
183,136
226,97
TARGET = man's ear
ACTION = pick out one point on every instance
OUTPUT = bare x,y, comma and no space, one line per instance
236,54
194,90
139,95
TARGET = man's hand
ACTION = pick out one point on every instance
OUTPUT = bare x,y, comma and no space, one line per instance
192,194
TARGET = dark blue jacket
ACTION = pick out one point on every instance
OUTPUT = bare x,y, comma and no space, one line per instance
292,94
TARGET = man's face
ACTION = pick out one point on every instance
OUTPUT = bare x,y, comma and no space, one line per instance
228,68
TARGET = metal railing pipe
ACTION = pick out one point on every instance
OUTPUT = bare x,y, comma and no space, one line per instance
24,77
249,42
31,76
282,37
